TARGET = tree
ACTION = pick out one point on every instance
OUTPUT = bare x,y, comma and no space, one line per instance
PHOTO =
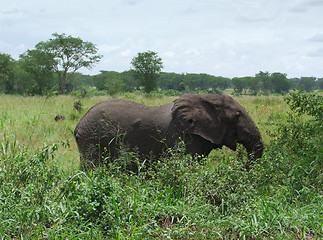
192,81
240,84
307,83
146,68
266,80
130,82
171,81
280,82
319,83
114,85
70,54
221,83
110,81
40,66
254,85
78,81
6,73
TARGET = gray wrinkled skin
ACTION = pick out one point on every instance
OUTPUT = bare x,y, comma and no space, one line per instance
203,121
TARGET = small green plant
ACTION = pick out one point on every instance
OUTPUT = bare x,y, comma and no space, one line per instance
28,184
306,103
127,161
153,94
175,168
87,195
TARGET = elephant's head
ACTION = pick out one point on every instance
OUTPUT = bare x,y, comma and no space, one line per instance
216,120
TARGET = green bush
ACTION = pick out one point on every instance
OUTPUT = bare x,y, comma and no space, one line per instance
28,183
88,195
306,103
302,141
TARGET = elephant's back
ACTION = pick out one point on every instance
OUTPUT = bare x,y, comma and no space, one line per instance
109,113
119,110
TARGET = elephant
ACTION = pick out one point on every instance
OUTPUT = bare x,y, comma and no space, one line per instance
203,121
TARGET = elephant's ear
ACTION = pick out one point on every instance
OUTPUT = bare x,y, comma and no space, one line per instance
194,115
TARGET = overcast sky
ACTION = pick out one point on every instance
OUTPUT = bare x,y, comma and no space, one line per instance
219,37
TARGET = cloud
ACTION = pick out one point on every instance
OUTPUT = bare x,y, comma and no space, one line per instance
16,50
125,53
193,52
169,54
11,11
314,3
105,48
132,2
226,38
316,53
298,9
254,19
316,38
305,5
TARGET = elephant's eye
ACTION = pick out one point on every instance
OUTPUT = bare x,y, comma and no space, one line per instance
190,120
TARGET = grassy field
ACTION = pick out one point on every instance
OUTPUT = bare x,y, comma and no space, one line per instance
30,120
45,196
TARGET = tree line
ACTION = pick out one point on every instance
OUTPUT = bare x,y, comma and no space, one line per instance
261,83
52,66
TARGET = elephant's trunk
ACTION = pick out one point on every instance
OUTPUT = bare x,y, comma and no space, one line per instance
254,152
249,137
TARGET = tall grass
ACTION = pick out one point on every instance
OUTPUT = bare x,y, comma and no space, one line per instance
31,119
44,195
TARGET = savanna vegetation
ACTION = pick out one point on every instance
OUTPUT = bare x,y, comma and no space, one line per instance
44,195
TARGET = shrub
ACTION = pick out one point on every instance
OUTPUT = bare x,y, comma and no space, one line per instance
88,195
28,183
306,103
294,159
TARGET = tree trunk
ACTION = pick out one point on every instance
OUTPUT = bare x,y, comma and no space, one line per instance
62,82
